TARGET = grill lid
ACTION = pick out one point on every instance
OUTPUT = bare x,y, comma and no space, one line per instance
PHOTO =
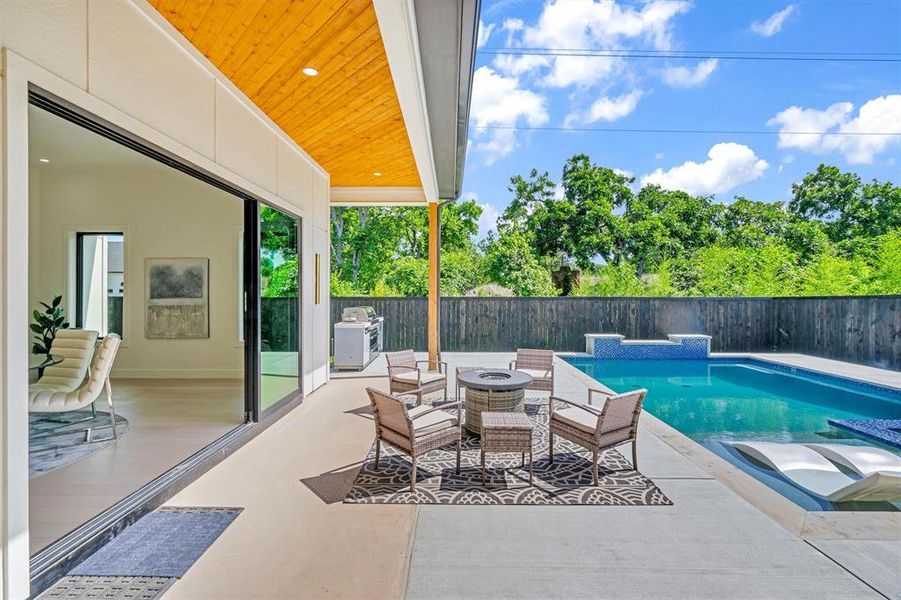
358,313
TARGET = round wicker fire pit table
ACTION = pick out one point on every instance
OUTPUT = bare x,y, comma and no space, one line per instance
495,390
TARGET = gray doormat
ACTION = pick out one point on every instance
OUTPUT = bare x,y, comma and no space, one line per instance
164,543
567,481
57,440
88,587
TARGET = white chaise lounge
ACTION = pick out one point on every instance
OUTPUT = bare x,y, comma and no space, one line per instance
811,471
863,460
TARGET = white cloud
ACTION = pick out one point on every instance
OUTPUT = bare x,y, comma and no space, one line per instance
611,109
774,24
683,77
500,101
591,25
487,220
484,33
659,156
728,165
606,108
624,173
832,129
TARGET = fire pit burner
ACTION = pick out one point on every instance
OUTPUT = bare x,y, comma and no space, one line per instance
493,376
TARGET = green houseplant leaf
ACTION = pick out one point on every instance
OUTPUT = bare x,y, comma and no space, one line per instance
47,324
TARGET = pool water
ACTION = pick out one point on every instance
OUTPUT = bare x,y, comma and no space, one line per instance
716,401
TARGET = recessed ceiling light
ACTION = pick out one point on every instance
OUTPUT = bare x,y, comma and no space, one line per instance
376,174
310,71
44,160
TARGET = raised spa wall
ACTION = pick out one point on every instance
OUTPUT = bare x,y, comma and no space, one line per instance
677,346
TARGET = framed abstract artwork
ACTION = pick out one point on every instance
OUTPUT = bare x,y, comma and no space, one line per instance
177,298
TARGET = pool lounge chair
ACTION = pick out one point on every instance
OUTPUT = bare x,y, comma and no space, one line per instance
863,460
811,471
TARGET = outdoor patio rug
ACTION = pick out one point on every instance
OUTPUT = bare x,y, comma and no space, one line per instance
119,588
143,561
567,481
57,440
164,543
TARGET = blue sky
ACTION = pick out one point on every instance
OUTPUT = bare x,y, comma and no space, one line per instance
674,93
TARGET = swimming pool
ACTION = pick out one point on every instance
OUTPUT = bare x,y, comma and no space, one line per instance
720,400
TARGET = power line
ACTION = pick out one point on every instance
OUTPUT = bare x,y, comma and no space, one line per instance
701,131
725,55
659,51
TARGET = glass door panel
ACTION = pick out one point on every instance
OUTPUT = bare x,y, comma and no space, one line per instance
279,307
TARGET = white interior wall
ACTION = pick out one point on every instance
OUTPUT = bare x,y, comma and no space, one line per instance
140,73
164,214
123,62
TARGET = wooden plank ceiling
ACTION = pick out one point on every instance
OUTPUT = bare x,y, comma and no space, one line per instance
348,117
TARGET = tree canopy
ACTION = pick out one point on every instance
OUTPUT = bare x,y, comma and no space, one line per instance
596,233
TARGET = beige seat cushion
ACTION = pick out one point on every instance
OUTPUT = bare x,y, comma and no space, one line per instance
432,422
576,417
410,377
536,373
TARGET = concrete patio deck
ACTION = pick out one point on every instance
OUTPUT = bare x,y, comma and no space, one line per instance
296,539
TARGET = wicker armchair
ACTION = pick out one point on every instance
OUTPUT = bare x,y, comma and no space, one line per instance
414,431
537,363
597,429
405,376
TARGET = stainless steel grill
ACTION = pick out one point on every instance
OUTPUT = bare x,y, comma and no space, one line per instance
358,337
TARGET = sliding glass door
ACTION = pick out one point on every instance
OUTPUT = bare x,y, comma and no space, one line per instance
279,275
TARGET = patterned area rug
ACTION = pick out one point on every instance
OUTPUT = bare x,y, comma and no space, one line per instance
59,439
567,481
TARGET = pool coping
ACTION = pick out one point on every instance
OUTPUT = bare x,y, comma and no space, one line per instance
805,524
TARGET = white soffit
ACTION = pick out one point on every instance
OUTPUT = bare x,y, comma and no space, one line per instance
397,23
377,196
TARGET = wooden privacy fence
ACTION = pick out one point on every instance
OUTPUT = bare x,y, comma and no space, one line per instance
860,329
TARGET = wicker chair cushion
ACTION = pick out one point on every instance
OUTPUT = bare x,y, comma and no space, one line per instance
576,417
536,373
424,377
432,422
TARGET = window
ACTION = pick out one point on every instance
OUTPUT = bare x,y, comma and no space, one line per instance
99,281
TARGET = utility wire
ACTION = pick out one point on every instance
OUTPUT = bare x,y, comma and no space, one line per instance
659,51
711,131
725,55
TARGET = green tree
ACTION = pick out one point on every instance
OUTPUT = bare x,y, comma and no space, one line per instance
729,271
409,276
282,282
750,223
509,262
847,207
662,224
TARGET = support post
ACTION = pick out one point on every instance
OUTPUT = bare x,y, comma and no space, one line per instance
434,284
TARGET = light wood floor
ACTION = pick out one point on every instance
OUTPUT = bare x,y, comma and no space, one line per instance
169,420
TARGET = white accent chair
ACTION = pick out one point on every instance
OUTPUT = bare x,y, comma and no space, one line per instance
49,399
76,348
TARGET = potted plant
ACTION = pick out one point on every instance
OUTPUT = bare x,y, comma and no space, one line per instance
47,324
